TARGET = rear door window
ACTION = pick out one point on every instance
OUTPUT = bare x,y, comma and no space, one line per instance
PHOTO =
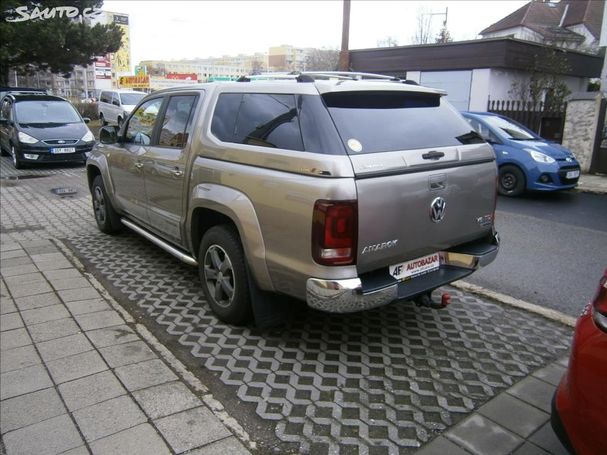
174,130
267,120
382,121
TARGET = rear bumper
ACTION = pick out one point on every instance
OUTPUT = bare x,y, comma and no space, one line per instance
377,289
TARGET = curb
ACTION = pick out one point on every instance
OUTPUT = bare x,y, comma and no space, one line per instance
553,315
590,190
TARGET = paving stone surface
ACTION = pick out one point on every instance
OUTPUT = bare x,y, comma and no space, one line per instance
76,366
127,353
90,390
139,440
53,329
514,414
145,374
166,399
25,380
64,347
14,339
535,392
49,437
17,358
110,336
481,436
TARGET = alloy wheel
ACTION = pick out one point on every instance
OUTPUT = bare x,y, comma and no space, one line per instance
219,275
99,205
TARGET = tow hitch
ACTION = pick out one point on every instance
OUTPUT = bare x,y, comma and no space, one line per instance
425,300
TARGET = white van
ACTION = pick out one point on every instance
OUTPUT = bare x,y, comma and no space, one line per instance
115,105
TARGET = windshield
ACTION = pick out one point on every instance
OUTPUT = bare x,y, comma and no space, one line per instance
376,121
130,99
510,129
46,112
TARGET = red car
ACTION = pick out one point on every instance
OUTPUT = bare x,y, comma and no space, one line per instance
579,406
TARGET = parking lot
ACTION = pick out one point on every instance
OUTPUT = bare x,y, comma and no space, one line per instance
385,381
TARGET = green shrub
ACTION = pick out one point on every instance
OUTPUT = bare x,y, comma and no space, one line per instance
88,110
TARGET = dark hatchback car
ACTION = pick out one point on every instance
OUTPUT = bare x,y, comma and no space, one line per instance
36,128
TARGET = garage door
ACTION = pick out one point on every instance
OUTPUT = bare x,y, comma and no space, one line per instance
455,83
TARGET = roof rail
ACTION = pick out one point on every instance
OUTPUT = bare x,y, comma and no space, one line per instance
311,76
350,75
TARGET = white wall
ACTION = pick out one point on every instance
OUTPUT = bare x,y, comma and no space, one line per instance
414,76
480,89
455,83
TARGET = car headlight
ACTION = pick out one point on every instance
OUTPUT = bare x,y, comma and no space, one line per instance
26,138
541,157
88,137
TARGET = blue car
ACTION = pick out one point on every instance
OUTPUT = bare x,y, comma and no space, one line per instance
525,160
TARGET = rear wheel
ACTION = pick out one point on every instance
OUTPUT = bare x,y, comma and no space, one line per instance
511,181
16,160
102,118
106,217
223,274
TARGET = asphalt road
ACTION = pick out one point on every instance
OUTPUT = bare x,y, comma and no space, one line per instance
553,250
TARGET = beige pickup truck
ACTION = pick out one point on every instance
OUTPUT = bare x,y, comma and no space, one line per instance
345,190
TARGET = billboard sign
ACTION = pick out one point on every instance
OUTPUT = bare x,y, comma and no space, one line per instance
134,81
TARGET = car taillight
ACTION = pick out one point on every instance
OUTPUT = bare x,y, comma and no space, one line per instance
334,231
599,304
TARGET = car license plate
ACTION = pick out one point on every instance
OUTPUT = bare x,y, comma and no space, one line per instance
415,267
58,150
573,174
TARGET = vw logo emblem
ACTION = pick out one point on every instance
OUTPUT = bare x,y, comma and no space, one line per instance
61,142
437,209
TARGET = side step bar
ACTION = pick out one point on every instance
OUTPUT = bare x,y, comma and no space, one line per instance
161,243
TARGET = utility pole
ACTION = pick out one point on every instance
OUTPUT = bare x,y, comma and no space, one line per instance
344,57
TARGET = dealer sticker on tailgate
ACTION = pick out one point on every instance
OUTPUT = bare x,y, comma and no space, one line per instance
415,267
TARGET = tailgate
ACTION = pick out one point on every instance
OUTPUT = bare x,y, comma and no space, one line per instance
410,206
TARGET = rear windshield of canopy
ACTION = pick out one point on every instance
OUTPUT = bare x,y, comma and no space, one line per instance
376,121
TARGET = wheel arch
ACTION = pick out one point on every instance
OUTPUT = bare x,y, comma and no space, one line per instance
213,205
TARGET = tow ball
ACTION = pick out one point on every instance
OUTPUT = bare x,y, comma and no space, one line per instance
426,300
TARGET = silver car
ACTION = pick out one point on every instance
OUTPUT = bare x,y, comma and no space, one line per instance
344,190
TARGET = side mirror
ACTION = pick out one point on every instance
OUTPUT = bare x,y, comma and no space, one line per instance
108,134
86,119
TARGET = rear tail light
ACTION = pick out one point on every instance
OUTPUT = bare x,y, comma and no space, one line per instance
334,232
599,304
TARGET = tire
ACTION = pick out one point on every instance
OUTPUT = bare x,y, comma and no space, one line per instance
223,274
102,118
16,160
511,181
106,217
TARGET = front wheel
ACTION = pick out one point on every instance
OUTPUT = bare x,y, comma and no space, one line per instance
106,217
511,181
17,163
223,273
102,118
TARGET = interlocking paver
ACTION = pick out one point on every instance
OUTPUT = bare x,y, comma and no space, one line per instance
17,358
30,408
84,293
49,437
481,436
183,431
547,440
145,374
14,339
87,306
37,301
166,399
10,321
49,313
99,319
112,335
439,446
514,414
70,283
64,347
25,380
139,440
126,353
76,366
108,417
32,288
90,390
53,329
551,373
535,392
233,446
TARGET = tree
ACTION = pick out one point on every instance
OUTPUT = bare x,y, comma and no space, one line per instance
443,36
322,60
545,82
57,43
388,41
423,30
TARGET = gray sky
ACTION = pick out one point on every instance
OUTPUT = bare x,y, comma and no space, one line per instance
190,29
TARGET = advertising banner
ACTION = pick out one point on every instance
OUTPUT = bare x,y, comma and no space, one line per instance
134,81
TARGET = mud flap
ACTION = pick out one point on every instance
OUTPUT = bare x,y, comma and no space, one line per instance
270,309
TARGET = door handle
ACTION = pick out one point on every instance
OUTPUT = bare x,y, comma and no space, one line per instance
177,173
138,164
433,155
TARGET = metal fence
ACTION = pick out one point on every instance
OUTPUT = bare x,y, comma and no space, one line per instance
546,119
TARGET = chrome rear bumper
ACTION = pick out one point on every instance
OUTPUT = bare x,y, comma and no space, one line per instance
351,295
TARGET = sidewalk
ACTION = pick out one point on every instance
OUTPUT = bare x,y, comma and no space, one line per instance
79,376
593,183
